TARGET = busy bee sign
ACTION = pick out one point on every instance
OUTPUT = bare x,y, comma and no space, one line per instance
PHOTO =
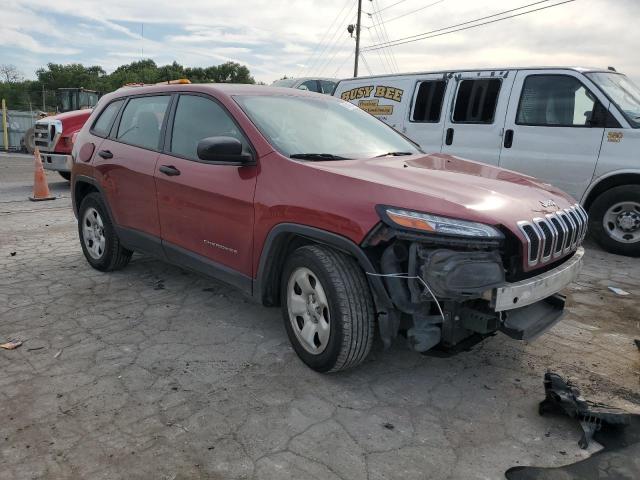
369,98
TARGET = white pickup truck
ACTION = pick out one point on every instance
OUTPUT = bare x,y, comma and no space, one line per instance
576,128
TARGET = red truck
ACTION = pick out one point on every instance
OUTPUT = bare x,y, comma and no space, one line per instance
53,135
306,201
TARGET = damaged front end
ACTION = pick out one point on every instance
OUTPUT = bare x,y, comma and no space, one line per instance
450,291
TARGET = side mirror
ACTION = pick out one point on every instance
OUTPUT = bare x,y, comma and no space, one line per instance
223,150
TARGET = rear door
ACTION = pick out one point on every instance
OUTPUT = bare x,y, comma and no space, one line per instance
477,105
425,121
126,162
554,128
206,209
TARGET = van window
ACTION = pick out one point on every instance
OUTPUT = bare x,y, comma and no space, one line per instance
476,101
555,101
102,125
197,118
141,121
429,101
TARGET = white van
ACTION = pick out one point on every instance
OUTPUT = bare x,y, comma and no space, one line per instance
576,128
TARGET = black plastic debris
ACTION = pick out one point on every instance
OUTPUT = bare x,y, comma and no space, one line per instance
564,398
617,431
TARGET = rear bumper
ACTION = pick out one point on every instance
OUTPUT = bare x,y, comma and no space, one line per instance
532,290
56,161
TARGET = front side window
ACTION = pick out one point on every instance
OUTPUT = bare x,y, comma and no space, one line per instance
428,103
141,121
623,93
310,85
197,118
102,125
323,126
476,101
555,101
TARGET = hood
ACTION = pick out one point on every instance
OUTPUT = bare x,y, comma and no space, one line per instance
454,187
73,115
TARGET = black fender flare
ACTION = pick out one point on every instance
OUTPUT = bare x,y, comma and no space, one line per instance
270,250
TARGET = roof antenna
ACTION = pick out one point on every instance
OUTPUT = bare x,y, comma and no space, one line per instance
612,69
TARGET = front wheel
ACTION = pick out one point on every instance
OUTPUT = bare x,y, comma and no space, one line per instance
327,308
65,175
615,220
100,243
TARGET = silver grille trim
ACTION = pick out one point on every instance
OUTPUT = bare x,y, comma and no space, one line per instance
554,235
47,133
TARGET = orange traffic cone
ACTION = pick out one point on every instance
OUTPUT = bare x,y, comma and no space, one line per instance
40,187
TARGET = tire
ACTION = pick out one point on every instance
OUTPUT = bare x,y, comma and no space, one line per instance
65,175
614,209
347,308
100,244
30,140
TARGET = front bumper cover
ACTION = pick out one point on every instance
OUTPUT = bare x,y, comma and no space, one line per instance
56,161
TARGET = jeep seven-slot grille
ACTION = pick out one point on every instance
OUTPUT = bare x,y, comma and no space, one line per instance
554,235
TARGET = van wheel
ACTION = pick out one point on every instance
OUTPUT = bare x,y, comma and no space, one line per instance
65,175
327,308
615,220
100,244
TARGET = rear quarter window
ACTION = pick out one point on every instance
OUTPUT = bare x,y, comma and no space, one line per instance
102,125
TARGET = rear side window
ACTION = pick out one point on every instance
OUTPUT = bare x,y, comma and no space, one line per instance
102,125
141,121
197,118
476,101
555,101
429,101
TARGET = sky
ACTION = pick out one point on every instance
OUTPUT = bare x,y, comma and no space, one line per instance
275,38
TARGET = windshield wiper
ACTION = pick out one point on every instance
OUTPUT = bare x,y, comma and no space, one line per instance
393,154
317,156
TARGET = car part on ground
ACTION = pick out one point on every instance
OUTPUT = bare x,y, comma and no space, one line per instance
616,430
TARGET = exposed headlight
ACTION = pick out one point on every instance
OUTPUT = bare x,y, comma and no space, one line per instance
426,222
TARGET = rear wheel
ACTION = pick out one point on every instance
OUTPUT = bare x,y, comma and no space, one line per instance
615,220
327,308
100,243
65,175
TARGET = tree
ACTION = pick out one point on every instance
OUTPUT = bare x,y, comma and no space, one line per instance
10,74
73,75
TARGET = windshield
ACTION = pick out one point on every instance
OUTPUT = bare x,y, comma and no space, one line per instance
301,126
622,91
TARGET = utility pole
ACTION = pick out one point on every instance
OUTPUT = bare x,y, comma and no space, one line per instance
44,107
355,63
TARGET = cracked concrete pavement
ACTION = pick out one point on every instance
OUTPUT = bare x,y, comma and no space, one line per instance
155,372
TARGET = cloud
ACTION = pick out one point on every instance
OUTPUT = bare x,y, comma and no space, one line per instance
277,37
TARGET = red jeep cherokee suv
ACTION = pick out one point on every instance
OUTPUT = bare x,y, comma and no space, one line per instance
306,201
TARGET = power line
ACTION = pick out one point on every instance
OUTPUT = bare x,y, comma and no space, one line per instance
414,11
392,5
366,65
385,51
378,51
426,35
385,35
335,27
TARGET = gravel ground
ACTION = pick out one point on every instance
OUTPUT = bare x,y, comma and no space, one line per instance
154,372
